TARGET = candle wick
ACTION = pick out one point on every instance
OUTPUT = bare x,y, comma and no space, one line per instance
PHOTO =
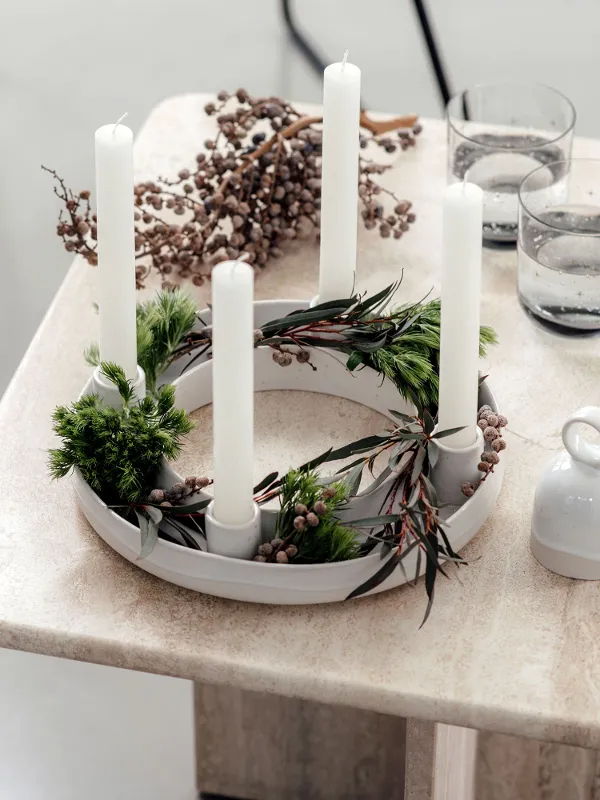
345,58
119,121
238,260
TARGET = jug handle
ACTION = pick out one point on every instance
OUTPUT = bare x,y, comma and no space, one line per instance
578,448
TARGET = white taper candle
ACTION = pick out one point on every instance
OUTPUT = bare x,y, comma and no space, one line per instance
339,180
461,297
116,248
233,392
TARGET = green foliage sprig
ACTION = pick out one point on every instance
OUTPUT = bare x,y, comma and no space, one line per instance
411,360
402,344
163,323
327,539
118,450
408,518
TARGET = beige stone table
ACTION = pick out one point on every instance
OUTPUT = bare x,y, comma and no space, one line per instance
508,648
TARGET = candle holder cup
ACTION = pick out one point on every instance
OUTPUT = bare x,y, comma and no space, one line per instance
109,392
234,541
454,467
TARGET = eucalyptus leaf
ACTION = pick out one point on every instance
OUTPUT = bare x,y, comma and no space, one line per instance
430,574
190,508
385,294
143,524
418,465
408,549
419,562
428,422
316,462
382,573
148,533
271,478
360,446
383,475
448,432
354,360
347,467
386,547
429,607
400,415
430,491
343,302
449,549
300,318
372,522
154,513
414,495
352,479
433,452
399,464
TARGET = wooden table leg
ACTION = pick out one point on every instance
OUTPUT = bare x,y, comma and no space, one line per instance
455,758
440,761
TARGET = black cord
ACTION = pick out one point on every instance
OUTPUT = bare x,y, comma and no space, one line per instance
313,58
434,56
318,63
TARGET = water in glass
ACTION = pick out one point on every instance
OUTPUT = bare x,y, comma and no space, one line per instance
559,266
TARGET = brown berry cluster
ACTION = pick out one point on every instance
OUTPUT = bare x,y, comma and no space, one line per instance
310,518
282,551
255,188
491,424
178,492
276,551
284,357
406,137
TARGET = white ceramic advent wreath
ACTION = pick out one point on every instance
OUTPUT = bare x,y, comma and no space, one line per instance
249,580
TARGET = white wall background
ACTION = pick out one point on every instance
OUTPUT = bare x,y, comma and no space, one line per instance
71,731
68,66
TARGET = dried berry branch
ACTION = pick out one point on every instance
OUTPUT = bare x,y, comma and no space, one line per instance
256,187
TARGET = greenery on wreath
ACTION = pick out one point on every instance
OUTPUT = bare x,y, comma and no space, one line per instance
120,451
402,344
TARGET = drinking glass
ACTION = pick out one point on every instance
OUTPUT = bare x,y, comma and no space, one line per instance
499,133
559,245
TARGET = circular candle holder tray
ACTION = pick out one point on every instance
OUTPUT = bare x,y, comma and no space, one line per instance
296,584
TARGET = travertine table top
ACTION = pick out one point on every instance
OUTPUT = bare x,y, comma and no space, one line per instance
508,646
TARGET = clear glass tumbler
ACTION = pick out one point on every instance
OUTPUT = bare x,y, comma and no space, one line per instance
499,133
559,245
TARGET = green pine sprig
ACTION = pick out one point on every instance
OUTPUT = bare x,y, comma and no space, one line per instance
163,323
330,540
411,359
118,450
402,344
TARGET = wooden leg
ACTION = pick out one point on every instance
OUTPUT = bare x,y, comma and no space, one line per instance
264,747
440,762
454,763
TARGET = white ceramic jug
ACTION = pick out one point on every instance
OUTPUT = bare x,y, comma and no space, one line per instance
565,528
